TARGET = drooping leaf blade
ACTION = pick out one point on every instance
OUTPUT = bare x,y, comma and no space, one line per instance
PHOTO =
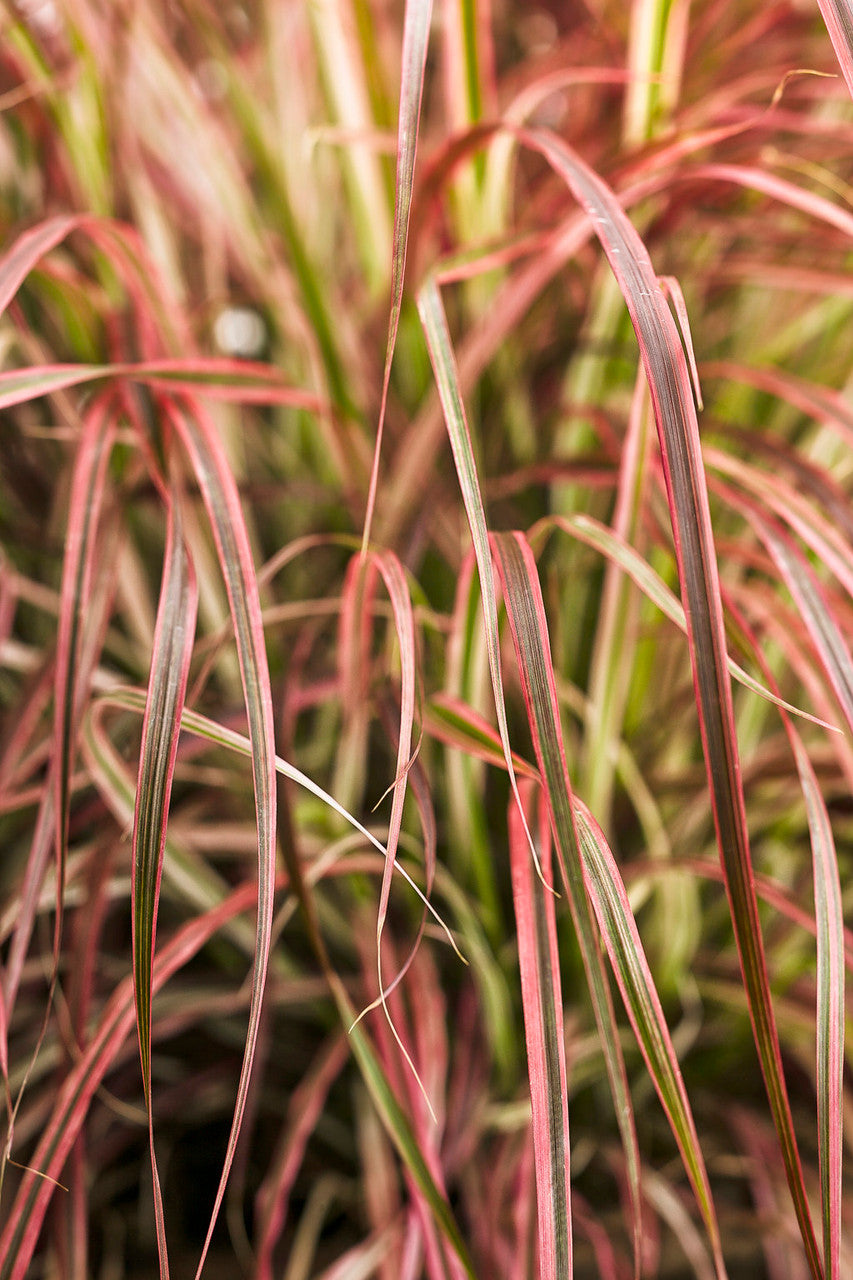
219,491
161,724
675,416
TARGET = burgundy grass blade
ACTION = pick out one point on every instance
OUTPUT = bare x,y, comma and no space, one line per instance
26,1215
542,1002
675,415
221,499
85,505
528,623
161,726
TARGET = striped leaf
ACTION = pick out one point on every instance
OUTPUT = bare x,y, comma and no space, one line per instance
526,614
161,726
675,415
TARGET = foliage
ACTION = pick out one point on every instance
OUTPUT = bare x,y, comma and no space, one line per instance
425,665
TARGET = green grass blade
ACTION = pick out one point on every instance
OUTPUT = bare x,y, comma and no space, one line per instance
415,41
446,374
625,948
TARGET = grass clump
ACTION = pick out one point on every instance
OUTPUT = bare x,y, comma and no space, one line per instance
425,625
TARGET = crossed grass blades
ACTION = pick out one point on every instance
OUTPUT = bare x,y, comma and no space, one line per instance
345,777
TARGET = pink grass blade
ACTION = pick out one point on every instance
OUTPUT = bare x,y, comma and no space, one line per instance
455,723
304,1110
838,16
395,581
393,1117
415,40
391,571
446,374
542,1002
796,197
230,380
642,1003
829,643
678,431
22,1230
161,724
219,491
603,539
832,941
27,252
85,504
526,614
20,385
830,1009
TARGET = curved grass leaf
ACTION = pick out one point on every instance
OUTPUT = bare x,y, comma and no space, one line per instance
218,379
391,571
221,499
526,614
542,1001
202,727
17,263
454,722
678,431
829,643
161,724
603,539
394,1118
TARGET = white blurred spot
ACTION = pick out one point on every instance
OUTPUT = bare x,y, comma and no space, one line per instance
239,331
42,15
